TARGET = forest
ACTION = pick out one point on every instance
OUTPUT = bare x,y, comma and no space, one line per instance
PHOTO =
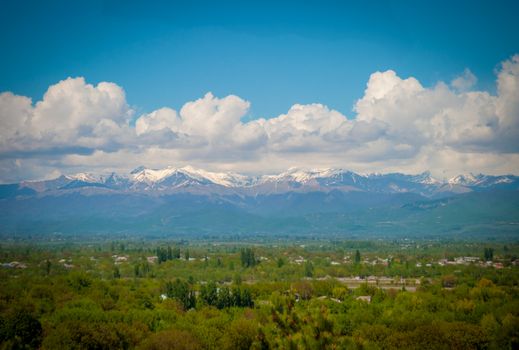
232,294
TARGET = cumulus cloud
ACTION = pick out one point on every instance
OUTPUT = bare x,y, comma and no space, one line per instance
472,121
164,118
209,126
71,115
305,128
465,81
399,125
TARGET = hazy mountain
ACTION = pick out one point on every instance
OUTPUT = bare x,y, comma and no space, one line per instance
188,179
191,201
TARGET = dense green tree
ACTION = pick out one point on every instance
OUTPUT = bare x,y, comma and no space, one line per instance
246,298
171,339
209,294
162,255
247,258
176,253
489,254
357,257
79,281
181,291
224,298
48,265
309,269
20,330
240,335
237,279
236,294
95,334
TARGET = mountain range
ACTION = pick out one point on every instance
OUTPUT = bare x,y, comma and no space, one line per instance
191,180
190,201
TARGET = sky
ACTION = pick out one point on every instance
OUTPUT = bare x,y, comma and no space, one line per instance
258,86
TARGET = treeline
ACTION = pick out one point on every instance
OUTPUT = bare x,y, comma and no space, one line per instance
224,296
168,253
210,295
247,258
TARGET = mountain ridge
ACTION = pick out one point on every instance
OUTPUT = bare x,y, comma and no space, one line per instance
189,179
176,201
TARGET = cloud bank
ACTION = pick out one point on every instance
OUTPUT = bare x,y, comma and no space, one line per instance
398,125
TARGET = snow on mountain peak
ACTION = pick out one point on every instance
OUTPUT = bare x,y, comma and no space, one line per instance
463,179
482,180
227,179
151,175
85,177
427,179
157,175
302,175
172,178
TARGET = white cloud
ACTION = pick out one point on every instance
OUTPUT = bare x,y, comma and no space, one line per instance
212,117
464,121
15,113
465,81
164,118
305,128
72,115
507,105
207,127
400,125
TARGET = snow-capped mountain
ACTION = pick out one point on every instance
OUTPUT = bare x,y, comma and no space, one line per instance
189,179
188,173
481,180
463,179
189,200
85,177
300,175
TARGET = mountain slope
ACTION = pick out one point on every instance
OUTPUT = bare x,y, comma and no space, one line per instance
188,201
188,179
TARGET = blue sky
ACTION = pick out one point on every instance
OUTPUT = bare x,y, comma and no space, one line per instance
271,53
258,86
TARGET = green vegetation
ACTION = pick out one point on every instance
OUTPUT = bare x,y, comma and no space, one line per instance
247,257
489,254
302,294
